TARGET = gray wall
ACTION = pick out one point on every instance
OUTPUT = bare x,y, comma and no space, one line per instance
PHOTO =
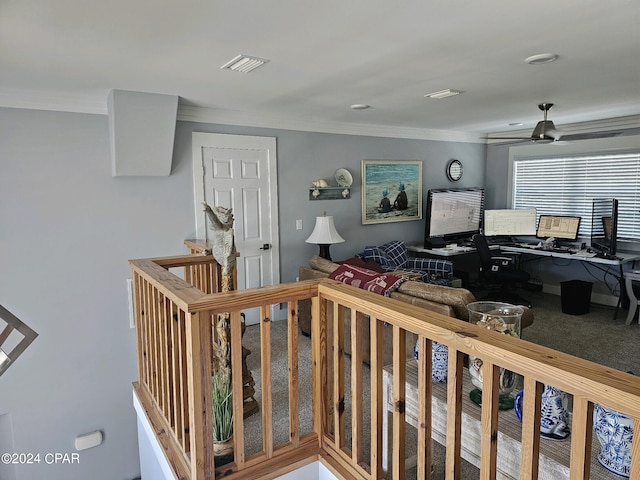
304,156
67,229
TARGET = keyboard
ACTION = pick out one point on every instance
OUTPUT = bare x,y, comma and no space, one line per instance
532,246
501,241
585,253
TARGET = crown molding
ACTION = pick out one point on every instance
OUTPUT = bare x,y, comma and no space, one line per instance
55,101
189,113
96,103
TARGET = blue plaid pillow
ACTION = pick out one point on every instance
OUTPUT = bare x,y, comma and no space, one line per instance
374,254
396,252
437,268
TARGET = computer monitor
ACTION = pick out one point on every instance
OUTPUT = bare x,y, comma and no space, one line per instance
453,213
509,222
604,225
561,227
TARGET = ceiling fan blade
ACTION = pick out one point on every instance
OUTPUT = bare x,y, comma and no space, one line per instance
588,136
507,138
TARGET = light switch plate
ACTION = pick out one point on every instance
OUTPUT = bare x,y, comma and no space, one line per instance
132,321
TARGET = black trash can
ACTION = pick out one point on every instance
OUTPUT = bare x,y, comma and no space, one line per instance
575,296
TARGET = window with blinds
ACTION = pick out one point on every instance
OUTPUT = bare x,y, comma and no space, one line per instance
567,186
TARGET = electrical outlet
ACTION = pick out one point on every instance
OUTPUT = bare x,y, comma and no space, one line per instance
298,224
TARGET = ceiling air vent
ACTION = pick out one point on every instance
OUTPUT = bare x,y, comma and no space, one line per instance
244,63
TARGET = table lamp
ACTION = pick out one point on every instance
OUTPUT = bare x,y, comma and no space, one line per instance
324,234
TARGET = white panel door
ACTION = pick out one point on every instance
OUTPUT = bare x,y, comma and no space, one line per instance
240,172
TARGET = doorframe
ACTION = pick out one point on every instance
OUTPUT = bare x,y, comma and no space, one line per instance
200,140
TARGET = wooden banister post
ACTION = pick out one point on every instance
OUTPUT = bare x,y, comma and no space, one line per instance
198,333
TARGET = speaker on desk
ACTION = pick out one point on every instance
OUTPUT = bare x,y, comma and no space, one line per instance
434,242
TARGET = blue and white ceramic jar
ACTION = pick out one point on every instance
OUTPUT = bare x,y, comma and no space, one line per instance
439,361
555,418
614,431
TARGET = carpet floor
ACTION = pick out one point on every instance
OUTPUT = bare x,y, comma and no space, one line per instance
595,336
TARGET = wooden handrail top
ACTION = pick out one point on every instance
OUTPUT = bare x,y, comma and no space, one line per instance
184,260
179,291
191,299
255,297
613,388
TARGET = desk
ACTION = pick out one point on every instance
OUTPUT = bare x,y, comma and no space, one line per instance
462,256
602,264
554,454
446,252
623,257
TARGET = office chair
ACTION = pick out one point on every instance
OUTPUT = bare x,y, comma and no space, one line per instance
499,270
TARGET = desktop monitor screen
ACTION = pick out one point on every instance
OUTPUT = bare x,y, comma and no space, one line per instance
562,227
510,222
454,213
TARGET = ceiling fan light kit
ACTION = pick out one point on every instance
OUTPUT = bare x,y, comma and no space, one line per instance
545,131
539,134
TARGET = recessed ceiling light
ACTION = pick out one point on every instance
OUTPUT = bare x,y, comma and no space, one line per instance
516,124
244,63
443,94
541,58
360,106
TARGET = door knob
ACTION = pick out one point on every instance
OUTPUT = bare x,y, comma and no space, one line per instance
266,246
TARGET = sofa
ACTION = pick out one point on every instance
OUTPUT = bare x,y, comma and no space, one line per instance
445,300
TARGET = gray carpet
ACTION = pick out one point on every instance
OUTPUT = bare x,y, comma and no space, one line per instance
594,336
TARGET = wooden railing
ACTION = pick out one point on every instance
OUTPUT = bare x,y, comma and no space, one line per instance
174,348
174,336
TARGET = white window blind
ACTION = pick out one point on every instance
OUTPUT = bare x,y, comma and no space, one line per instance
567,186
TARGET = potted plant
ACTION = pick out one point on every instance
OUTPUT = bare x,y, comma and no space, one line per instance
222,398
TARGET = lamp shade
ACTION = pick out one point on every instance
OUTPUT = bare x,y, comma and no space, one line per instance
324,233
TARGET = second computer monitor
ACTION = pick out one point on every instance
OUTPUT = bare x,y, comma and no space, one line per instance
510,222
562,227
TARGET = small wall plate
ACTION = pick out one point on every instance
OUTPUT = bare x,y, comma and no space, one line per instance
343,177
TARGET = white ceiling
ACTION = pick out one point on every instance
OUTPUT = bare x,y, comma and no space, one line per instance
327,55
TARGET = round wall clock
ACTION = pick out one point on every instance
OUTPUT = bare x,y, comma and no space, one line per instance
454,170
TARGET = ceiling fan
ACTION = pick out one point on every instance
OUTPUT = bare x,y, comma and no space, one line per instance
546,132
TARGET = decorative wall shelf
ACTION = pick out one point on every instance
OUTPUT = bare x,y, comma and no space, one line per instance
329,193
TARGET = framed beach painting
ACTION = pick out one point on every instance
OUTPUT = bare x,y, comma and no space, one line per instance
391,191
